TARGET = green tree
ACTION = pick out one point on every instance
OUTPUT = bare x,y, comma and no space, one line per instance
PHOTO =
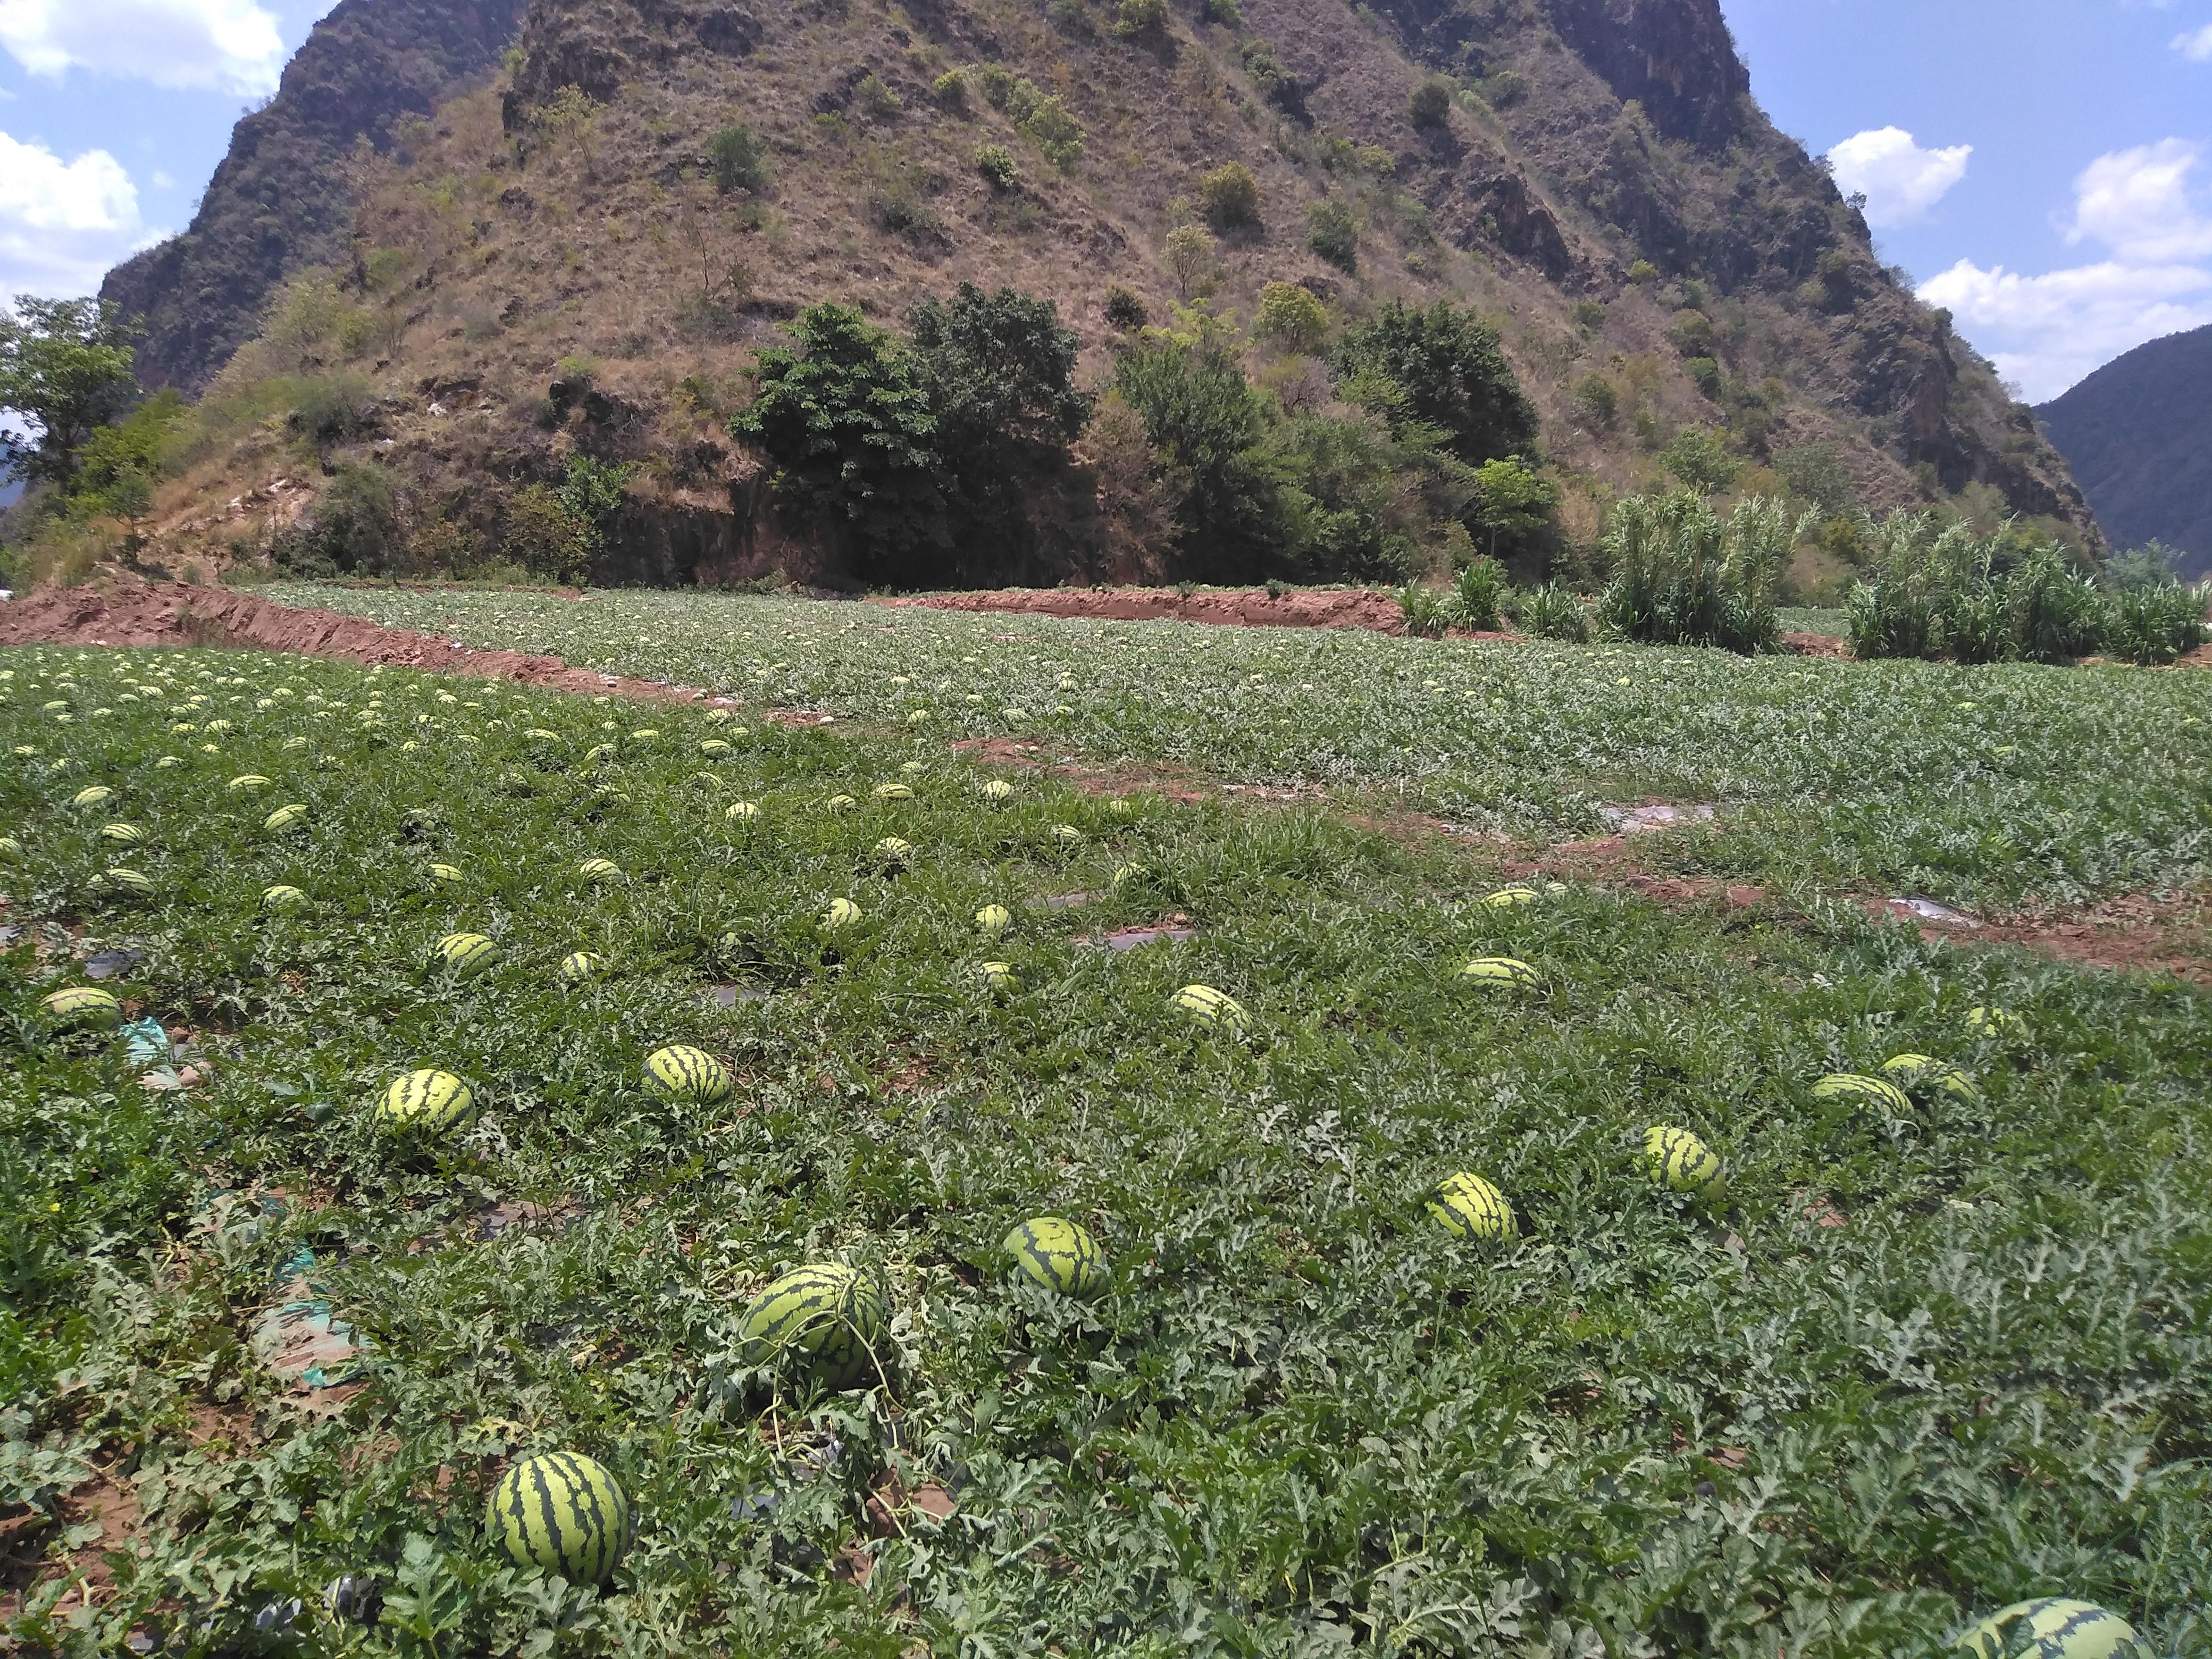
1430,105
1333,232
844,415
1229,197
1449,365
739,160
121,463
1291,317
1699,460
1513,504
66,364
1205,423
998,374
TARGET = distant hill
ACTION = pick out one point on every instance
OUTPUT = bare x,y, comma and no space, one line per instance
2138,433
536,252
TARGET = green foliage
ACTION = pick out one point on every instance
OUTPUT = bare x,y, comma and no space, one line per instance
842,416
1815,475
1332,233
1125,310
1140,20
2152,565
1681,576
1596,403
67,365
739,160
1449,364
997,372
1643,273
1205,422
997,167
1477,593
1550,612
1340,497
1701,461
548,538
592,494
328,409
1227,13
951,90
1937,590
1427,612
1859,776
1191,255
1513,507
351,529
119,464
1291,317
1045,122
876,98
1430,106
1229,197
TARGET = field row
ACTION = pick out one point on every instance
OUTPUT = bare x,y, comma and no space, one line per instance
1982,786
1927,1351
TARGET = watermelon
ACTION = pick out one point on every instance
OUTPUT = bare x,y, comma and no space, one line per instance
467,954
1679,1161
692,1075
716,749
561,1513
432,1101
282,898
995,922
128,884
1067,834
2051,1627
998,789
123,834
84,1006
743,812
1503,972
1471,1207
999,977
10,848
599,871
1913,1072
245,785
445,873
1990,1022
841,804
823,1320
284,818
1210,1007
841,913
892,791
1861,1091
578,965
1059,1255
892,853
98,794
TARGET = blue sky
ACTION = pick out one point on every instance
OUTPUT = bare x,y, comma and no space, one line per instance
2043,168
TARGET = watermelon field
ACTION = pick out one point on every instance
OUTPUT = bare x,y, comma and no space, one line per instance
1989,787
1855,1351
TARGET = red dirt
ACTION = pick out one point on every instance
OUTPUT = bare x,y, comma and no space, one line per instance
177,614
1350,607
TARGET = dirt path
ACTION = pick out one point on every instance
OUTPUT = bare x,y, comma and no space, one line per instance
2133,932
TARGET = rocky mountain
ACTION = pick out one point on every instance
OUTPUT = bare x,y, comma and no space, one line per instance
582,254
281,200
2138,434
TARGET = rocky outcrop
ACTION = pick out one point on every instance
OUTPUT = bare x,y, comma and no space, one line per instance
281,201
1675,57
597,47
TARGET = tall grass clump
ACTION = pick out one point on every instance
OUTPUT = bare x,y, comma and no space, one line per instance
1553,611
1681,575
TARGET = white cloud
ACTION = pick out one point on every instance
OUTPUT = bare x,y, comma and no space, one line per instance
2046,332
1900,180
2196,46
224,45
63,224
2136,202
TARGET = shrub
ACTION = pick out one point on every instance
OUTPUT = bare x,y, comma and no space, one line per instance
1476,594
998,85
1596,405
1683,577
2151,623
1699,460
1055,132
1643,273
951,90
876,99
1229,197
1204,422
1291,317
997,167
351,529
1815,476
546,538
1427,612
1332,233
330,409
1190,255
1504,88
1453,374
2055,613
1550,612
1430,106
1125,310
1140,20
1227,13
738,159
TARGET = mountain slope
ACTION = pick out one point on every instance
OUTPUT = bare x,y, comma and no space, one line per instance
2138,434
281,200
555,273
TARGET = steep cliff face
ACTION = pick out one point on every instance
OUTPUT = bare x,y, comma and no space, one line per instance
1675,57
283,199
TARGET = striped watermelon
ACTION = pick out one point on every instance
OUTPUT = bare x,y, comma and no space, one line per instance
82,1005
282,897
1210,1007
467,954
995,922
998,789
123,834
716,749
1059,1255
432,1101
999,977
892,853
1507,973
2052,1627
284,818
445,873
823,1320
1861,1091
1679,1161
841,802
10,848
246,784
1914,1073
599,870
561,1513
841,913
1471,1207
578,965
892,791
683,1073
742,811
131,884
1992,1023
